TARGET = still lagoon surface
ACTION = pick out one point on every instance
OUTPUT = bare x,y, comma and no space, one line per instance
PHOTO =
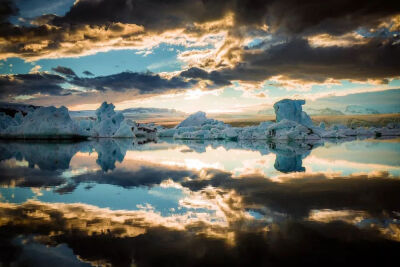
119,202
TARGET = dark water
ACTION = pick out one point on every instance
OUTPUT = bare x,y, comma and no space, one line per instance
188,203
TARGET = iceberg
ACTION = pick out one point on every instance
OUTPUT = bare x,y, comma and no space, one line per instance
291,110
43,122
56,123
108,121
196,119
292,123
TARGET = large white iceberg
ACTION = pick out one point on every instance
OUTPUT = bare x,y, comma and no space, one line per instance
43,122
56,123
291,110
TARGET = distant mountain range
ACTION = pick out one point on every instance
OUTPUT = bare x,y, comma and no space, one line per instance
324,111
12,108
356,109
269,111
310,111
350,109
135,112
152,111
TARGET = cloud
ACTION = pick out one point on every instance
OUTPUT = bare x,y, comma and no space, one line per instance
197,73
92,26
64,70
143,82
153,15
88,73
297,60
30,84
148,239
334,17
35,69
288,16
8,9
296,198
303,43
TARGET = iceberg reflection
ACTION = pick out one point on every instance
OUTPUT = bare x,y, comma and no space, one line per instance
288,156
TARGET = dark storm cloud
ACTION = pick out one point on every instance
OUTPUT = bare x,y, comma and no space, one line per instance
297,59
64,70
52,84
309,17
91,26
30,84
7,9
213,76
288,16
145,83
153,15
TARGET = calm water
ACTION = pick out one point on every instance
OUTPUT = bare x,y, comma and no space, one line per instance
188,203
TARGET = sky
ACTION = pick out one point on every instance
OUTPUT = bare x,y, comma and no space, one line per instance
220,56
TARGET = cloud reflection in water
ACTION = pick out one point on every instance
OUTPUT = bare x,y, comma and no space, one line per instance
236,213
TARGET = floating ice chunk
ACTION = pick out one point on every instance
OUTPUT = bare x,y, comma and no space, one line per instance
385,131
290,130
264,125
125,130
44,122
337,127
145,130
86,125
230,134
105,111
305,119
361,131
291,110
108,121
166,132
6,121
196,119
